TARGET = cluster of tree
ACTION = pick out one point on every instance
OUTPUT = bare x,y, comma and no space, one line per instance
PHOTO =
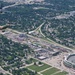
61,31
12,53
2,4
23,18
23,71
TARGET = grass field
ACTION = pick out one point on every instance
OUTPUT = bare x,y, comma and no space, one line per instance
39,68
50,71
61,73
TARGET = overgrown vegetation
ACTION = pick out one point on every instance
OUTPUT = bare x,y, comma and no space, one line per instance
13,55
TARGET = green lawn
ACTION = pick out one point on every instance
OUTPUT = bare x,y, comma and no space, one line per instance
37,68
50,71
61,73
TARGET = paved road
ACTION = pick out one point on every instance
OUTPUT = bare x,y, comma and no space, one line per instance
47,39
40,41
37,28
4,72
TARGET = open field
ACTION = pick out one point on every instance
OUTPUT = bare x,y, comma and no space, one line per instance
50,71
45,70
61,73
39,68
